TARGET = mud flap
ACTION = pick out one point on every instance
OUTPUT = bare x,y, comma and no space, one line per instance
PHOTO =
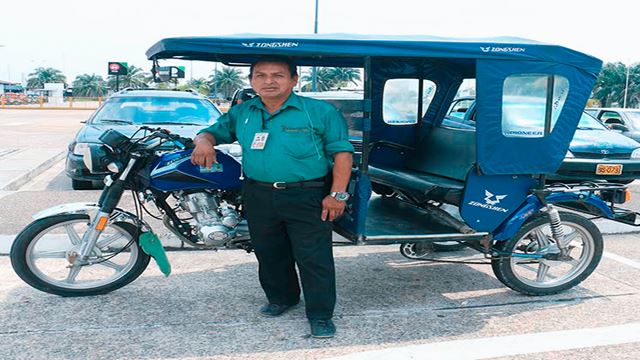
152,246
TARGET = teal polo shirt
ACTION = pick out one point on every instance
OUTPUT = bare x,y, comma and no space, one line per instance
303,136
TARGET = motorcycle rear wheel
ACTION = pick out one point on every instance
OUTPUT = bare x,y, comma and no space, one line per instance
40,256
543,277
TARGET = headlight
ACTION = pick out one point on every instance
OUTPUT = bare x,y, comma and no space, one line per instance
95,157
569,154
635,154
79,148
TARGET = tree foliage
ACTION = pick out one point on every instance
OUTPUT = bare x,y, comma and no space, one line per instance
330,78
89,86
40,76
610,85
226,81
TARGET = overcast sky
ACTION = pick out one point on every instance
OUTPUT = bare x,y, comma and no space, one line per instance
80,37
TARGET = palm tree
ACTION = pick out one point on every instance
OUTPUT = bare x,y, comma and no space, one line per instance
136,78
41,75
609,88
342,76
226,81
201,85
89,86
325,80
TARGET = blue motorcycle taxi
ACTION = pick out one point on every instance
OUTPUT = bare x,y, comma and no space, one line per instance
415,182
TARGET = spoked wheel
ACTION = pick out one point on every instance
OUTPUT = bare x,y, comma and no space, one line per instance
43,254
579,254
416,251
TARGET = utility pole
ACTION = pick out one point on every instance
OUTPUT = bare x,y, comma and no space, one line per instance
626,87
314,74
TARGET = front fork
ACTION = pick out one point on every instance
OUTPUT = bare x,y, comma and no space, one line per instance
109,199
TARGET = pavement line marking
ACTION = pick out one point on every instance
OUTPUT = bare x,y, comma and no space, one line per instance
621,259
498,346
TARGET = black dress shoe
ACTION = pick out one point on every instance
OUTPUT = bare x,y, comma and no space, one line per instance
272,310
322,329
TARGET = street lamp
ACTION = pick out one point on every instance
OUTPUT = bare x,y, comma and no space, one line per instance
314,75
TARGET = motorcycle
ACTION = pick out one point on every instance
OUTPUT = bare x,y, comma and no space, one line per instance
89,249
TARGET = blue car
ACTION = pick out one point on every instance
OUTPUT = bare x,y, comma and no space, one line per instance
595,152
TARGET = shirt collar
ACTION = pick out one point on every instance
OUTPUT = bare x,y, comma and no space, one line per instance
292,101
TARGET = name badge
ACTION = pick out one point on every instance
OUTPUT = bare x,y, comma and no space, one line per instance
259,141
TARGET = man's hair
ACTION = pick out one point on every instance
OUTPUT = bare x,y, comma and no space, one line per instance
275,59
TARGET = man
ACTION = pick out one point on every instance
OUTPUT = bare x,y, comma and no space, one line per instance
297,161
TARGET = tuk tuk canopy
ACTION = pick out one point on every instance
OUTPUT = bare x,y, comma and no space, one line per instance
498,65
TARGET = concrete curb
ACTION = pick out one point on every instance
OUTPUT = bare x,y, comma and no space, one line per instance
24,178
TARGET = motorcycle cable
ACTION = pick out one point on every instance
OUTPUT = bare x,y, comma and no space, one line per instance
456,261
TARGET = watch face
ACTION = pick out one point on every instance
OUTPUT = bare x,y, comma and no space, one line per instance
342,196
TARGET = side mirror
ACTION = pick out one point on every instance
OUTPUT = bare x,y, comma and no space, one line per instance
618,127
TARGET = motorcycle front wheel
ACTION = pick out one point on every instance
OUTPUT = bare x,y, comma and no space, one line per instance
43,253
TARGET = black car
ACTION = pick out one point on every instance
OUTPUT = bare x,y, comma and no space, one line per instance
181,112
242,95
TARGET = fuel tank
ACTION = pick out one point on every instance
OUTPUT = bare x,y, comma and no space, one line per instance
174,171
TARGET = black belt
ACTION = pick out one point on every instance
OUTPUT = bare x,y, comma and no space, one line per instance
280,185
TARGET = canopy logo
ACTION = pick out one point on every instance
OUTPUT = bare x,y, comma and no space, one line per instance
490,202
502,49
271,45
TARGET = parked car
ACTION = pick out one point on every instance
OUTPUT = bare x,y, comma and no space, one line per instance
181,112
242,95
625,121
595,153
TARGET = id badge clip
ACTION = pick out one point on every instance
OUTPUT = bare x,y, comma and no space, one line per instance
259,141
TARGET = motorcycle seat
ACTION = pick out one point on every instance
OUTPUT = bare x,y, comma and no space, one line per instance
421,185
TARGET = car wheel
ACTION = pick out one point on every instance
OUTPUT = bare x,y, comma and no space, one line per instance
81,184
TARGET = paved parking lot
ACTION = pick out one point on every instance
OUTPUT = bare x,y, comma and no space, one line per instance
208,309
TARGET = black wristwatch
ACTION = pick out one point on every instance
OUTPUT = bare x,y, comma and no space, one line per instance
340,196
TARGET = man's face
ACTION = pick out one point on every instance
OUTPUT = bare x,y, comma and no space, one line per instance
272,80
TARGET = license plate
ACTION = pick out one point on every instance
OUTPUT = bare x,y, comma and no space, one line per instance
609,169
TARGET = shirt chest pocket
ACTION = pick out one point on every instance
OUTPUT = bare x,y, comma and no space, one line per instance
299,143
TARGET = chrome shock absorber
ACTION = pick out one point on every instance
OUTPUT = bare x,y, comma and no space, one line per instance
556,225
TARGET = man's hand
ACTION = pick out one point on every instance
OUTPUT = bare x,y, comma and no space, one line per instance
204,154
331,208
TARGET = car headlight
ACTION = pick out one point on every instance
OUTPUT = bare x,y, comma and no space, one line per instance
80,148
635,154
569,154
95,157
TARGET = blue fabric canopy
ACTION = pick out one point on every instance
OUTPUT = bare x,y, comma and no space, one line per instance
351,49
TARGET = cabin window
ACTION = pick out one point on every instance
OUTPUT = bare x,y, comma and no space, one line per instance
525,102
400,100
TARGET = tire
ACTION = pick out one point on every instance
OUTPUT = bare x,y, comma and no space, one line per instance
31,270
447,246
511,271
81,184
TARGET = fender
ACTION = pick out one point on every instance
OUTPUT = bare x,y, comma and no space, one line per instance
532,205
90,209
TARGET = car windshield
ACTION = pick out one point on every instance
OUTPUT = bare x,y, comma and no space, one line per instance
156,110
588,122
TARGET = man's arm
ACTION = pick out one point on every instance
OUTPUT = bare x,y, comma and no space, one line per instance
204,154
222,131
332,208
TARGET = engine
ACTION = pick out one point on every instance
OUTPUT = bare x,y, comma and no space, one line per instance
214,219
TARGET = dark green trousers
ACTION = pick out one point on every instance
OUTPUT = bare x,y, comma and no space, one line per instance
286,230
